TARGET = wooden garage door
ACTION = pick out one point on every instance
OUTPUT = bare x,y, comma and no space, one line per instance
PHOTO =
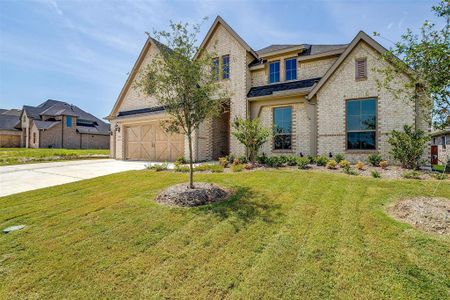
151,143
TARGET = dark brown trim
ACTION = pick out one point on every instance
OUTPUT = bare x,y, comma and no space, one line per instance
377,133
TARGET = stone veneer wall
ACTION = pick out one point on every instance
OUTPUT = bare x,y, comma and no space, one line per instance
392,113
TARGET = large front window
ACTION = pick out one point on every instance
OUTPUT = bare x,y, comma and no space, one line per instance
282,128
361,124
291,69
274,72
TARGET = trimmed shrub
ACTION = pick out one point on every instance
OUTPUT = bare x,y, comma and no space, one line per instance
331,164
274,162
375,174
360,165
312,159
302,162
321,160
350,171
384,164
440,176
237,167
374,159
411,175
344,164
262,159
181,161
408,146
339,157
290,160
223,161
183,169
158,167
216,168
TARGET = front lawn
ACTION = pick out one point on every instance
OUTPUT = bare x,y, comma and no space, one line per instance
284,234
15,156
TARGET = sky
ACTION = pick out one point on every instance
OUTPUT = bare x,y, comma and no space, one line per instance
82,51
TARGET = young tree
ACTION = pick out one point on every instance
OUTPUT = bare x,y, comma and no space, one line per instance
425,58
184,84
408,146
251,134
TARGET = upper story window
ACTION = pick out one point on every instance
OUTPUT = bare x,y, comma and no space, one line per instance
274,72
444,144
291,68
360,68
34,137
225,67
361,123
282,128
68,121
215,68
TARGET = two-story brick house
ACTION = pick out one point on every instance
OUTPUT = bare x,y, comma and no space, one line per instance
319,99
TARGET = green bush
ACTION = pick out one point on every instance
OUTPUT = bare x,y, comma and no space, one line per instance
237,167
274,162
158,167
331,164
350,171
290,160
344,164
374,159
321,160
440,176
411,175
312,159
262,159
339,157
408,146
183,169
209,167
181,161
302,162
375,174
223,161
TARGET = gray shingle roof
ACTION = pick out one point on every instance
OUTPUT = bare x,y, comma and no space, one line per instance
275,47
8,122
267,90
57,108
45,124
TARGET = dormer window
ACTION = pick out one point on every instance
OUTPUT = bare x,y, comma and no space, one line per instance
361,68
274,72
291,68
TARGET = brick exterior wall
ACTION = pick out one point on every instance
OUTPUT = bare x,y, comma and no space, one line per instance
51,137
314,68
303,126
94,141
34,143
392,113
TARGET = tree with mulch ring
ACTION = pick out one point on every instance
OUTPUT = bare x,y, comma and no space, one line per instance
431,214
184,81
182,195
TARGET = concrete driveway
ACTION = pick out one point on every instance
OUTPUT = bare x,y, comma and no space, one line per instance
22,178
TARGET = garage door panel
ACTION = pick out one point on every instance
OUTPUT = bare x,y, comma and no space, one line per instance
150,142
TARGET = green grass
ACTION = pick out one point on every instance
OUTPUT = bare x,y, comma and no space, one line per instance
15,156
284,234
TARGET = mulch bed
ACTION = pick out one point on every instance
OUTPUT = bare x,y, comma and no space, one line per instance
431,214
202,194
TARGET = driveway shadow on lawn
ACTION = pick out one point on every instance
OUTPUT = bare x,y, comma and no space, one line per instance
245,206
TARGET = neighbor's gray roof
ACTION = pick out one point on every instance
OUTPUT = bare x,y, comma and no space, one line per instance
45,124
57,108
8,122
10,112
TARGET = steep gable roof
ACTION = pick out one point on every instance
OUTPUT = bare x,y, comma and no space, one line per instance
361,36
219,21
150,41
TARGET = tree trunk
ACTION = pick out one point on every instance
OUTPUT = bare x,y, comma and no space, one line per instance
191,167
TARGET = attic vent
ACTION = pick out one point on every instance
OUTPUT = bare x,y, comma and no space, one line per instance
361,68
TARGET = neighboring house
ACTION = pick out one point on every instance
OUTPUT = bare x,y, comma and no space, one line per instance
319,99
57,124
440,147
9,128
